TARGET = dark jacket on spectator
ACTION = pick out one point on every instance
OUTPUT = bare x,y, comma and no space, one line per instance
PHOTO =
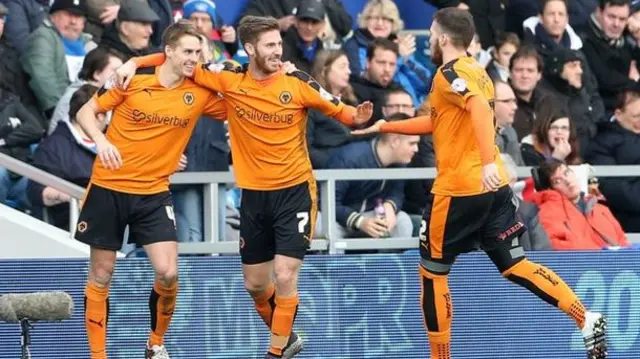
163,9
18,140
535,238
610,63
340,19
366,90
60,155
14,80
526,112
416,192
24,17
586,109
615,145
208,149
292,50
488,16
325,135
410,74
530,156
355,197
111,39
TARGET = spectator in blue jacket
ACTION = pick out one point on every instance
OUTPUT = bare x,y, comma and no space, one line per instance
356,200
381,19
67,153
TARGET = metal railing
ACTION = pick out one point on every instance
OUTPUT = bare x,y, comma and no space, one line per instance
327,182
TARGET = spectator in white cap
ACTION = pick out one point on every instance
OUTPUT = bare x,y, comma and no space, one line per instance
130,34
223,41
55,52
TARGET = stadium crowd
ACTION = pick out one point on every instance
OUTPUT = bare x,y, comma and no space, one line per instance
567,94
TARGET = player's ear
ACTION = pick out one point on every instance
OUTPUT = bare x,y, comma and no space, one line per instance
250,49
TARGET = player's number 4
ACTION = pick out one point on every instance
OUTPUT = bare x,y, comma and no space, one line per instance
303,220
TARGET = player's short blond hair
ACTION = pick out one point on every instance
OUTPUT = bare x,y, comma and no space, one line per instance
386,8
176,31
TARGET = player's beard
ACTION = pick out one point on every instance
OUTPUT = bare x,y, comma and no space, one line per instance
436,54
262,62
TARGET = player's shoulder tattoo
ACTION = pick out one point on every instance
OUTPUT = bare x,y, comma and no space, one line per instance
309,80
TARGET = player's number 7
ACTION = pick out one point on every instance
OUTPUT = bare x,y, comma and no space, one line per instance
304,219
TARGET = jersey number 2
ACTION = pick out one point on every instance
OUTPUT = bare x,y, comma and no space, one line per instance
303,220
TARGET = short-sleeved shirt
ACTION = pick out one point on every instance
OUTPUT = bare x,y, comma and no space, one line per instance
151,126
267,123
457,151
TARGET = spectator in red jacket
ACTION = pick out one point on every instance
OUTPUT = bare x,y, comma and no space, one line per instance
573,220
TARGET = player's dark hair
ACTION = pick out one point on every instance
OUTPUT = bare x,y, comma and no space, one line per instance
527,52
544,3
96,61
546,116
396,91
79,98
625,97
605,3
507,38
457,24
251,27
383,44
176,31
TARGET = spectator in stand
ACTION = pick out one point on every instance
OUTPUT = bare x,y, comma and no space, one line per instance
618,143
377,80
415,191
356,200
517,11
613,59
67,153
488,16
475,49
301,43
535,238
324,134
338,21
572,219
19,129
130,34
553,138
380,19
99,64
550,31
103,13
223,40
25,17
633,24
526,72
505,108
12,78
506,45
564,79
55,52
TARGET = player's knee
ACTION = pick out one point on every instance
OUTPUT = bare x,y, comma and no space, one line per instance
286,279
101,274
167,274
255,285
